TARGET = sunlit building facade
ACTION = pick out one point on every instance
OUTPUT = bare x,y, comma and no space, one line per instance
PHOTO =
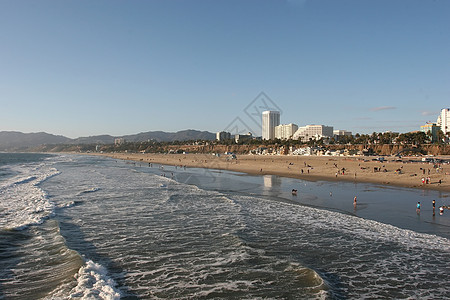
270,119
443,120
285,131
313,132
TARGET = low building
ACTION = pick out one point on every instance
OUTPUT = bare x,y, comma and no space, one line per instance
243,137
342,133
119,141
222,136
313,132
433,129
285,131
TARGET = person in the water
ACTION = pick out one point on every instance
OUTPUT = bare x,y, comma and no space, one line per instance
434,207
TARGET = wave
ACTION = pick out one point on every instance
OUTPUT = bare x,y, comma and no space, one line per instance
26,180
347,224
69,204
22,202
91,190
93,282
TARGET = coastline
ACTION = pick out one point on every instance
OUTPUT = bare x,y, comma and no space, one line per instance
311,168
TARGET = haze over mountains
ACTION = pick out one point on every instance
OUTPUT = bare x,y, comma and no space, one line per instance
12,140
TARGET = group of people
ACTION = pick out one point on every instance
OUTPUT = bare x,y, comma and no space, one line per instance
426,180
441,208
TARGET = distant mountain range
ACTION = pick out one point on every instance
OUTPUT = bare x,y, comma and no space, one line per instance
12,140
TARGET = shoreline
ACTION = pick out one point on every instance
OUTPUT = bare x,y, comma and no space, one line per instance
310,168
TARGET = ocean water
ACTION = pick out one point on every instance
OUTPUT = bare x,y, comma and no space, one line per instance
81,227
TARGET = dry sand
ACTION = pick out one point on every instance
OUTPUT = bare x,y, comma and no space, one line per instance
357,169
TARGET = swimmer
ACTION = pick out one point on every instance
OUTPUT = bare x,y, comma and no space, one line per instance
418,207
441,210
294,192
354,201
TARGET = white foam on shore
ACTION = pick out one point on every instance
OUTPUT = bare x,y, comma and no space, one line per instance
22,202
93,282
352,225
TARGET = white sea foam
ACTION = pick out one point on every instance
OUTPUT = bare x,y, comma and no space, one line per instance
363,228
22,202
93,282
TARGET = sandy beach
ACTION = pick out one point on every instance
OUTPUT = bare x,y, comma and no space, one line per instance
402,173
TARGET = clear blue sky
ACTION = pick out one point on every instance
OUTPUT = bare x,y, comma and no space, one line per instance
80,68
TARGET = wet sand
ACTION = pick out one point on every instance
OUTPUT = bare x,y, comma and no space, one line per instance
354,169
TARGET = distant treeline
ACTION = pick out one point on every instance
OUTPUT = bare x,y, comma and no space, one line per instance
376,143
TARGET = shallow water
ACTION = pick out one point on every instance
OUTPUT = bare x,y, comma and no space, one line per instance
108,229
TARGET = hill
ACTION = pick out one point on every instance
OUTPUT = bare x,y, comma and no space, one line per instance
19,141
161,136
13,140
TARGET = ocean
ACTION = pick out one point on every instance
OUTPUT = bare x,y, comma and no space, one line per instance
88,227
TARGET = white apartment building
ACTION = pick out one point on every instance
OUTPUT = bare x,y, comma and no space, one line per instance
443,120
285,131
270,119
314,132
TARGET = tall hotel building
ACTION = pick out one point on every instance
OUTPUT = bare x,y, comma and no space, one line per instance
270,119
443,120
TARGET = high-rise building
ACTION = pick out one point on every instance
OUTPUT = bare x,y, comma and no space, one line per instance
270,119
443,120
285,131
